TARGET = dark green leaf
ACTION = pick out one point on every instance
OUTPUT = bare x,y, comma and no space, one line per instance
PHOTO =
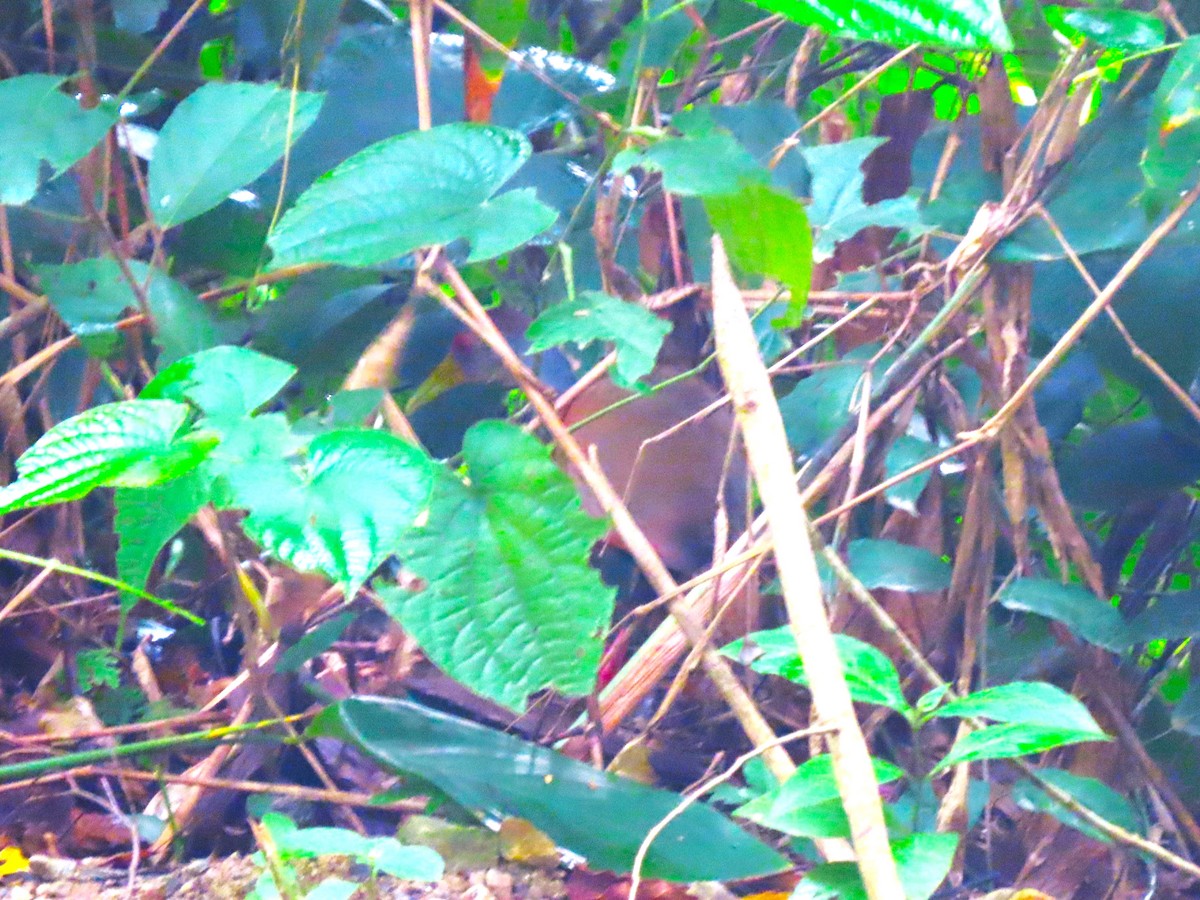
898,567
146,518
219,139
412,191
599,816
526,103
819,405
510,605
907,451
593,316
42,124
313,643
1093,619
90,296
1172,617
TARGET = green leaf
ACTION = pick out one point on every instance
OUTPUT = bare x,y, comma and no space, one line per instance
183,323
1093,619
223,381
838,210
313,643
636,332
1115,28
1026,703
808,804
42,124
1170,163
1172,617
870,675
345,512
922,862
220,138
1090,793
1009,740
90,296
510,605
132,443
898,567
146,518
412,191
819,405
599,816
907,451
704,164
766,232
967,24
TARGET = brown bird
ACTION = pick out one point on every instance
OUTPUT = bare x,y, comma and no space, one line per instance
670,461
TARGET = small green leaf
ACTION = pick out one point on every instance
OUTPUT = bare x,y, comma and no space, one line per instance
922,862
967,24
838,210
222,382
1171,617
870,675
766,232
819,405
414,863
599,816
1009,740
146,518
696,165
412,191
132,443
898,567
1090,793
907,451
510,605
1170,163
1024,702
808,804
220,138
42,124
313,643
1094,620
346,511
593,316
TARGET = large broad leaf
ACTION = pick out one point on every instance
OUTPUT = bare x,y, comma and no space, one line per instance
510,605
42,124
219,139
971,24
766,232
525,102
222,382
602,817
594,316
1173,143
412,191
1172,617
838,210
870,675
345,513
898,567
1094,620
129,444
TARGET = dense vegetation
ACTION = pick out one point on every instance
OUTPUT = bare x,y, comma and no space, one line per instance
304,303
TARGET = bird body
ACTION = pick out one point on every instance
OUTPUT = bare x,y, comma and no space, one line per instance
669,457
